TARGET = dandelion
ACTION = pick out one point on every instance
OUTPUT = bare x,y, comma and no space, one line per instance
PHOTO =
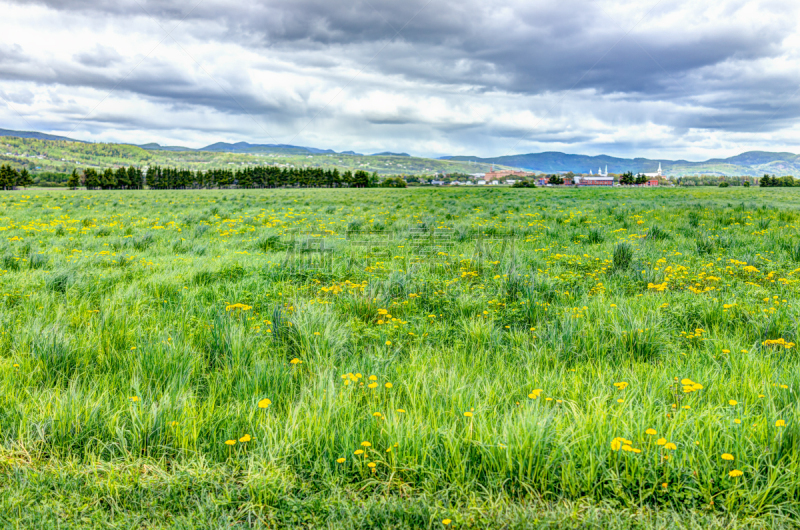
671,446
780,423
733,473
246,438
230,442
733,402
468,414
446,521
401,411
661,441
372,385
371,465
264,403
295,361
622,385
651,432
340,460
358,452
133,399
377,415
388,385
373,378
388,343
535,393
727,456
366,444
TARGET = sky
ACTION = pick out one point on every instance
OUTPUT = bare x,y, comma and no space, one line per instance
657,79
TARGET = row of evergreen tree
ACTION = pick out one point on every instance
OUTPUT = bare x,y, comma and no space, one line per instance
771,181
10,178
170,178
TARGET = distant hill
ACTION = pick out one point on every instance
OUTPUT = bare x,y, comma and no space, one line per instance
752,163
387,153
36,135
157,147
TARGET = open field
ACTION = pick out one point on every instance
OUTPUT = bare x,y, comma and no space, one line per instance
421,358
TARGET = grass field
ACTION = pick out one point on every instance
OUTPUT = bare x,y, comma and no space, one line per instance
487,358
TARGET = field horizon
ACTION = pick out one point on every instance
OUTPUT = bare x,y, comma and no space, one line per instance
412,358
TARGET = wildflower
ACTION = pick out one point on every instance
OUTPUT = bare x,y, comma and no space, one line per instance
372,385
728,457
737,421
366,444
616,444
388,343
377,414
661,441
230,442
264,403
468,414
780,423
234,307
295,361
671,446
535,393
371,465
401,411
651,432
373,378
733,402
388,385
133,399
733,473
622,385
664,485
446,521
340,460
358,452
246,438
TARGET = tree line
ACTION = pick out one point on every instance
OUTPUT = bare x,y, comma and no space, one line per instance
171,178
771,181
10,178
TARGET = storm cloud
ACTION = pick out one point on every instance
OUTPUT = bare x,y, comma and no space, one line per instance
627,78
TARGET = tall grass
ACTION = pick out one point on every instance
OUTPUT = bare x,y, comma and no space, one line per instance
490,375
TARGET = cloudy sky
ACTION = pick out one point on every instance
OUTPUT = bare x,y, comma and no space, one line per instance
666,79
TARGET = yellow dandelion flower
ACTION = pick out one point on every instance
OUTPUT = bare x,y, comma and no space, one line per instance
366,444
358,452
780,423
230,442
246,438
133,399
371,464
727,456
671,446
264,403
446,521
651,432
373,378
401,411
372,385
340,460
388,385
388,343
733,402
733,473
468,414
295,361
661,441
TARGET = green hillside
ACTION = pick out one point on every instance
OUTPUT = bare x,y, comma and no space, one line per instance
62,156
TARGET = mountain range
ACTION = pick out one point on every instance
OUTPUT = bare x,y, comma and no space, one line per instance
753,163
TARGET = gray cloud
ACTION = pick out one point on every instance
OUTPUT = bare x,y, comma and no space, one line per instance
682,67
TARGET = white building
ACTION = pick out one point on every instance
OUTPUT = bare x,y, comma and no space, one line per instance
656,174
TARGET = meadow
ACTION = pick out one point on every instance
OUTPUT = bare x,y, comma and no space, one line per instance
418,358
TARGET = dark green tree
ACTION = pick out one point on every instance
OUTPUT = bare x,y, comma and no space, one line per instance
74,181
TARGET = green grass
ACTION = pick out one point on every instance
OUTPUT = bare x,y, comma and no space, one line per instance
125,364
